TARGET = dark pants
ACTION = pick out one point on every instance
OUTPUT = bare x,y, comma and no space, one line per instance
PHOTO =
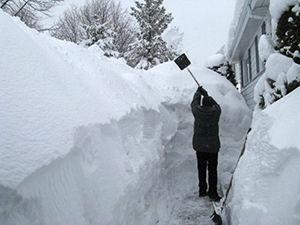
207,161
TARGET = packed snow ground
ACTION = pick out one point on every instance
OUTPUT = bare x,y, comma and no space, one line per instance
87,140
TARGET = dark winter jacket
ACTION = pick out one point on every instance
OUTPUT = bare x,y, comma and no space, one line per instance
206,125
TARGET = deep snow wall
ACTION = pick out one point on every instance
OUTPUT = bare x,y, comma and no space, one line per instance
76,133
97,182
266,182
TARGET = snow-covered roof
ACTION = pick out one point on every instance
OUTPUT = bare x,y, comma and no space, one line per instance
247,18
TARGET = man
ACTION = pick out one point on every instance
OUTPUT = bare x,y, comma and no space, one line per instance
206,141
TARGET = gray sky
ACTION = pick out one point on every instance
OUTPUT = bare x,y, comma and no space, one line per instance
205,24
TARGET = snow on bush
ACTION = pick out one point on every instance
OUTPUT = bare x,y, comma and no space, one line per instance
282,73
272,85
219,64
265,47
215,60
288,33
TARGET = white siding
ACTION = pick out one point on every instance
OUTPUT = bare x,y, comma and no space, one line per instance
248,93
252,66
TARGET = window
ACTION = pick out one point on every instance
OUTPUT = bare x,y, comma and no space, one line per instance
246,68
249,65
243,74
263,28
257,56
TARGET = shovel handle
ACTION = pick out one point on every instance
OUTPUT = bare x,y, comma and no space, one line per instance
193,77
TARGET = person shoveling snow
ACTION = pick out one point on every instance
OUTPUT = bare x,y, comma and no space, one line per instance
206,141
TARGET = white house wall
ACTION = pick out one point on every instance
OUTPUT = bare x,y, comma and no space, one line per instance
251,36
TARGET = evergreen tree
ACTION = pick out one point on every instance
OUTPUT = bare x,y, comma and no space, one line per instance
150,49
288,33
101,35
225,69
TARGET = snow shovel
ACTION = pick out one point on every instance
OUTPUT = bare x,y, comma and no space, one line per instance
218,213
183,62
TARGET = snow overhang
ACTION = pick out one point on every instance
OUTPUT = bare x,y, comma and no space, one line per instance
253,14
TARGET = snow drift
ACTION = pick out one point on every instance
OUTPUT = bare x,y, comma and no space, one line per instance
87,140
266,183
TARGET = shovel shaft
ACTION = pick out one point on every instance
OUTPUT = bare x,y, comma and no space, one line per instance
194,77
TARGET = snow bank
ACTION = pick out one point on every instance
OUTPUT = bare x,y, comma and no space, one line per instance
55,86
266,182
61,147
87,140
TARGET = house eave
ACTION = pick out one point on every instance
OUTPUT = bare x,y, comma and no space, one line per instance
252,17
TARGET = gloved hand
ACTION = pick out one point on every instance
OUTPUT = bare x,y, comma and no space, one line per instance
202,91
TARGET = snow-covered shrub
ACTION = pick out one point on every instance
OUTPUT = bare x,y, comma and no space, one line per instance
281,77
288,33
282,60
102,36
219,64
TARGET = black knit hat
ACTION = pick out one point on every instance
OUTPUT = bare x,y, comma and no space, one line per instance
207,101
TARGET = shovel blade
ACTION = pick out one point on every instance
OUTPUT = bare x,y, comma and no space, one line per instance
216,218
182,61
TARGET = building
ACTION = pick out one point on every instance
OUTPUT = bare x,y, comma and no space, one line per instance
254,20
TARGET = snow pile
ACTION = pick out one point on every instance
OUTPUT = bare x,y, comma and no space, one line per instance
215,61
266,183
87,140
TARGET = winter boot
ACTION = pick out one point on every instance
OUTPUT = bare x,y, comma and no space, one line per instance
202,193
214,196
